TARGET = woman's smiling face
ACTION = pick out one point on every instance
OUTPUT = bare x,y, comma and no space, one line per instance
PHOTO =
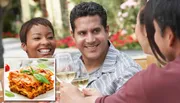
40,42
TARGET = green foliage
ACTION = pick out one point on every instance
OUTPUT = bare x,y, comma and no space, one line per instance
12,18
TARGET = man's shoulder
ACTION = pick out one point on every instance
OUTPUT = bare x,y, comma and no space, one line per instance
117,52
124,58
124,63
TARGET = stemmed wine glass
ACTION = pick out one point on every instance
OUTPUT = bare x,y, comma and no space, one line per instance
64,68
82,77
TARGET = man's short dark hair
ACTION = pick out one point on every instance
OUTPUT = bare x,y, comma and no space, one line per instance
88,9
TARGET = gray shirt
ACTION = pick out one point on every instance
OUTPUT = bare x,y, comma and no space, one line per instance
115,71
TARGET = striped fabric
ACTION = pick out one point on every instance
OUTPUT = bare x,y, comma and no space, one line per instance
115,71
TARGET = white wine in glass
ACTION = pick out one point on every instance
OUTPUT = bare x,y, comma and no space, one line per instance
65,76
81,83
64,68
82,78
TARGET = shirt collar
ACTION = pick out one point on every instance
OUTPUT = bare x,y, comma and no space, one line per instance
111,59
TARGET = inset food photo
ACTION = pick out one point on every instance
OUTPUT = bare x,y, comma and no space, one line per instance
29,79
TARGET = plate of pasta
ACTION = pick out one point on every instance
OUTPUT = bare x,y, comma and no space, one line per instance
29,82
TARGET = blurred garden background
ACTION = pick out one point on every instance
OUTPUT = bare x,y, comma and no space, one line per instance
121,19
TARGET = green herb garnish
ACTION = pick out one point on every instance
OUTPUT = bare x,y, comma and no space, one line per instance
41,78
32,70
41,65
26,71
43,59
9,94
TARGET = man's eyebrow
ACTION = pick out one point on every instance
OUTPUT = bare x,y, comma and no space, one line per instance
96,28
81,31
36,34
50,32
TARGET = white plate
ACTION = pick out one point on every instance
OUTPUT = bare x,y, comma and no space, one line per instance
48,96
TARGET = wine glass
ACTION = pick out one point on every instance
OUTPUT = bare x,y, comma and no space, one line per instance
81,79
64,68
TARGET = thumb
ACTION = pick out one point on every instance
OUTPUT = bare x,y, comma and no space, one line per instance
88,91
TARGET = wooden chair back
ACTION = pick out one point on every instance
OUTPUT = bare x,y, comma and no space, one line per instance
144,62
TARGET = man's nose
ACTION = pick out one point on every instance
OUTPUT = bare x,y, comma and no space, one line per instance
90,38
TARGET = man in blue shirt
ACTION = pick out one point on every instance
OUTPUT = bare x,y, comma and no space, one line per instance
108,68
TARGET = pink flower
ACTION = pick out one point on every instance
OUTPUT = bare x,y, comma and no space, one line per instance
128,3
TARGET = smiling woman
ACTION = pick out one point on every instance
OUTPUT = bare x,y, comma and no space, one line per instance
37,38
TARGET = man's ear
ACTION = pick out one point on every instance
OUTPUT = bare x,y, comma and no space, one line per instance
170,36
24,47
72,33
107,30
73,36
